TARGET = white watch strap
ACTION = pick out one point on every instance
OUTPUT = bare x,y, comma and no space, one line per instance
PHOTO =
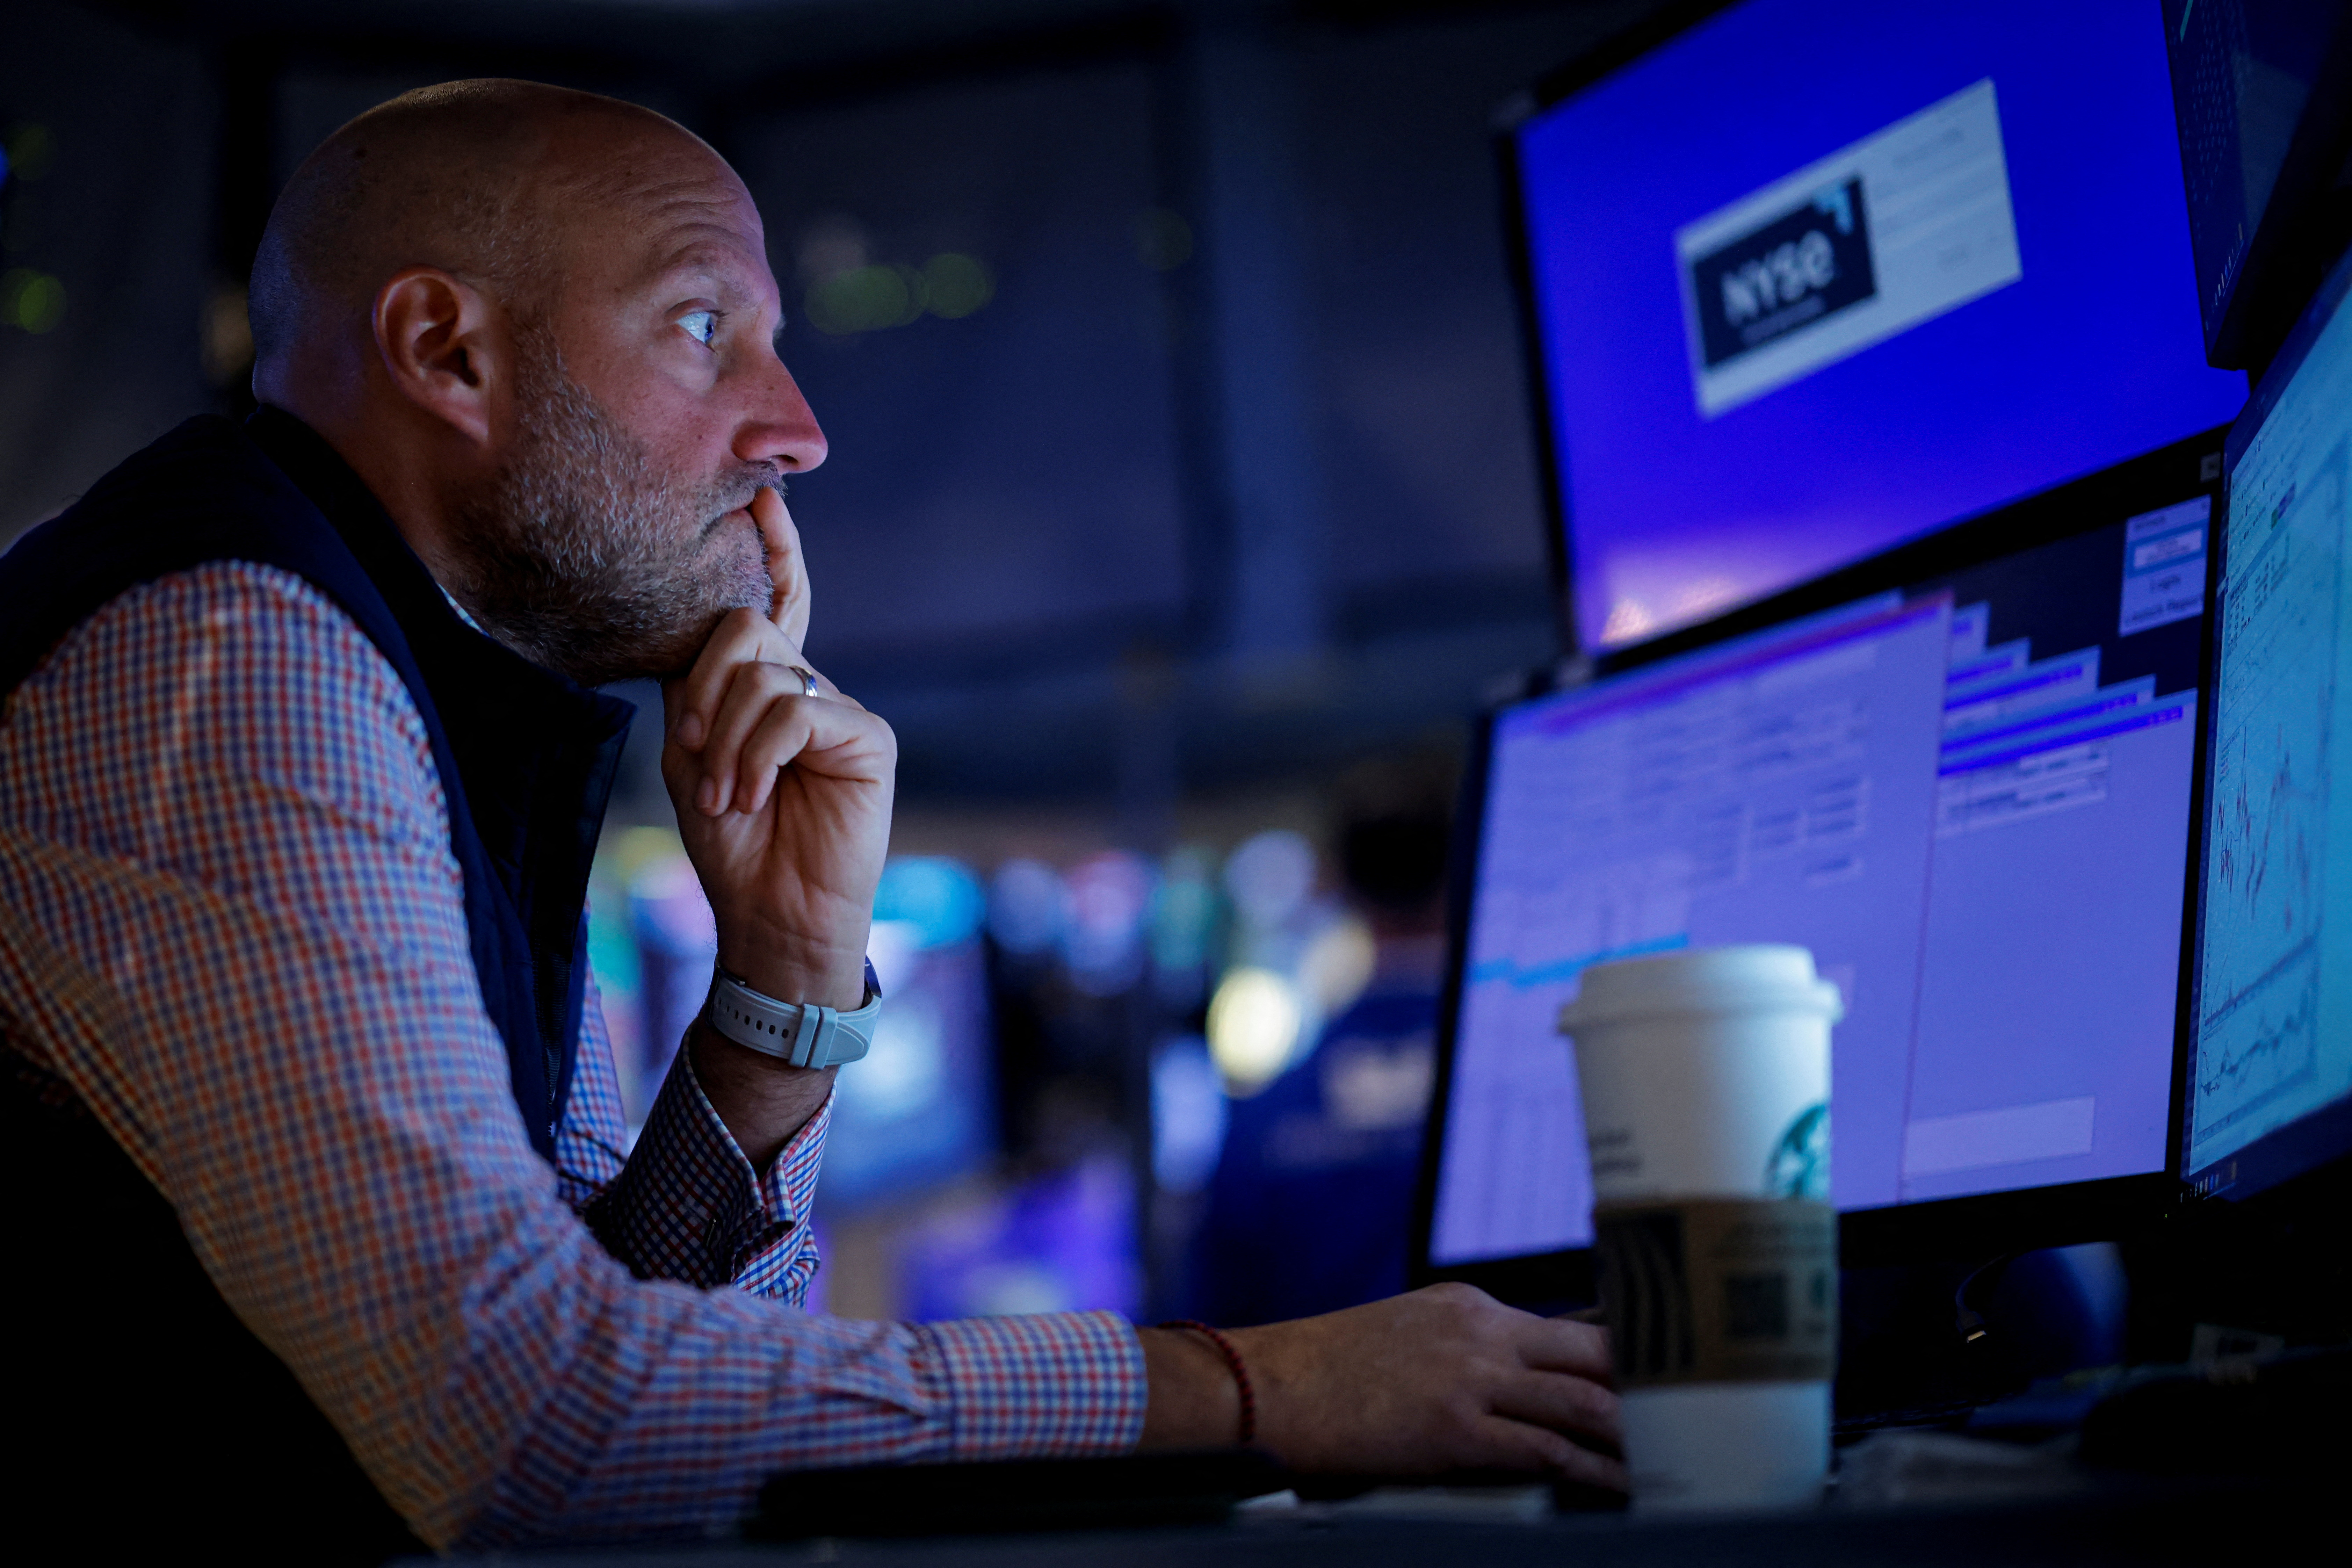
806,1035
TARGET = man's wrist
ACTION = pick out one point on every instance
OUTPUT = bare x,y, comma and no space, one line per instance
1193,1400
764,1102
798,972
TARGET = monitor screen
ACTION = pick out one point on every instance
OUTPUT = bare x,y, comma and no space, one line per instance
2259,86
1968,795
2270,1080
1816,276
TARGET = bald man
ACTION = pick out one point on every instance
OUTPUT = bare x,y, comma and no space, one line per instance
321,1212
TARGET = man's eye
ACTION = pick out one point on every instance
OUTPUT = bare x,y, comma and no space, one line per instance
700,325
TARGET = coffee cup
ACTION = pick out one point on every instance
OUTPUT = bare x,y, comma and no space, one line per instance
1705,1078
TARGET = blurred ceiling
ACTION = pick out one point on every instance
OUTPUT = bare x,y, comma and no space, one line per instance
734,42
1371,481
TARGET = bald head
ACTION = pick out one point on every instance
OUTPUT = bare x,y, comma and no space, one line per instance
539,326
478,178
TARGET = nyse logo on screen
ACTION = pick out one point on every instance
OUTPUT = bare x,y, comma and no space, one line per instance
1802,267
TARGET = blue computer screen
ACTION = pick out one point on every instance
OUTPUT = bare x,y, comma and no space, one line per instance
1819,275
1969,799
2274,1048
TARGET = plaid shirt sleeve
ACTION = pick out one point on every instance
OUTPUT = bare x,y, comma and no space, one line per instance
690,1206
687,1204
230,920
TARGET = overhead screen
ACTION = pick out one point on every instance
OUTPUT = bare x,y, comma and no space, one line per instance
1816,276
2270,1084
2261,89
1970,798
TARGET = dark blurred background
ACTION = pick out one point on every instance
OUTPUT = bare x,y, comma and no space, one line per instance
1181,506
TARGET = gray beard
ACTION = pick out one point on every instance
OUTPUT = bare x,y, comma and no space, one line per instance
581,556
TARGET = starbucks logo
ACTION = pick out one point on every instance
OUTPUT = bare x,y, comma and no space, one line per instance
1800,1163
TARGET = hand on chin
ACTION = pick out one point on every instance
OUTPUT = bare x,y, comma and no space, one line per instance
782,795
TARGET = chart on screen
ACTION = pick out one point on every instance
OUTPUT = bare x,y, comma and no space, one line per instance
2257,1036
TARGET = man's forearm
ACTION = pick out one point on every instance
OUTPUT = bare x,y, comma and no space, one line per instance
763,1102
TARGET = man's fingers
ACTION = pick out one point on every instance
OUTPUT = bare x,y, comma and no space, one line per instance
1562,1404
783,737
752,692
690,704
819,736
789,610
1520,1447
742,638
1563,1345
765,723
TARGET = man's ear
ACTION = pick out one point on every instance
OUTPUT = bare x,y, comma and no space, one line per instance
444,348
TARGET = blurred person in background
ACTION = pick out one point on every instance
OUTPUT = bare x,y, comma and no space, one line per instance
1311,1204
328,1237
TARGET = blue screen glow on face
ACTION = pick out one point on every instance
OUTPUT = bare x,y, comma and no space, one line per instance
1821,275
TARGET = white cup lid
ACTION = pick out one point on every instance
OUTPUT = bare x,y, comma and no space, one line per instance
1759,977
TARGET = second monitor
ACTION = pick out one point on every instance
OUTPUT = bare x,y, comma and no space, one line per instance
1961,773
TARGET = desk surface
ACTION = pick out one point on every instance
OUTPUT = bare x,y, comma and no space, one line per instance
2195,1525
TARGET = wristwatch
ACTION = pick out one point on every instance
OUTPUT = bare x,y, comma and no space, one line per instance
803,1034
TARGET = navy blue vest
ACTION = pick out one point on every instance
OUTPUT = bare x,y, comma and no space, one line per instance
526,761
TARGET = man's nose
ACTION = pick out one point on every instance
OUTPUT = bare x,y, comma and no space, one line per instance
783,428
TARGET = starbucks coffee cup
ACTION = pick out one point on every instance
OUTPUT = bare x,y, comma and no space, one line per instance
1706,1080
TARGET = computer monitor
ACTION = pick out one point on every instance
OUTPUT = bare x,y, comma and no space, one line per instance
2263,89
920,1111
1963,774
1812,277
2270,1071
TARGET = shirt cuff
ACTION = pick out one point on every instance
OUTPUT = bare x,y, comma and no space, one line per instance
786,1264
688,1206
1062,1385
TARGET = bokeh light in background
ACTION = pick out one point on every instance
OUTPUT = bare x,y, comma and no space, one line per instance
1253,1026
1186,920
1187,1114
1108,895
937,899
1270,877
31,300
1026,907
869,298
920,1110
1163,240
1298,959
1062,1242
652,941
1237,956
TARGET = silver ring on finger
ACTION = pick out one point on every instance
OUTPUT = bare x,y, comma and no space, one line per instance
809,686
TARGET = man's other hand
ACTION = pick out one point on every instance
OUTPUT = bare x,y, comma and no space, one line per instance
1445,1378
782,798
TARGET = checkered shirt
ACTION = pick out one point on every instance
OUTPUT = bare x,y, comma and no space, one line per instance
231,922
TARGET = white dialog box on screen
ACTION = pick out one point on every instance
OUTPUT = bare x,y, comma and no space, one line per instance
1898,228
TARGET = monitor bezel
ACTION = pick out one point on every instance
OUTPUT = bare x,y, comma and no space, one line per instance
1942,1229
1619,49
2296,1149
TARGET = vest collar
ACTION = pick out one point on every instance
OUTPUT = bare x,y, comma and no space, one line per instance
537,752
512,704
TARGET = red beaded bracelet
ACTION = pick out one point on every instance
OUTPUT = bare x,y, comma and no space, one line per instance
1234,1362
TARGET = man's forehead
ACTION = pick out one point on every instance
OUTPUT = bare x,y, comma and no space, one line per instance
683,211
726,256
